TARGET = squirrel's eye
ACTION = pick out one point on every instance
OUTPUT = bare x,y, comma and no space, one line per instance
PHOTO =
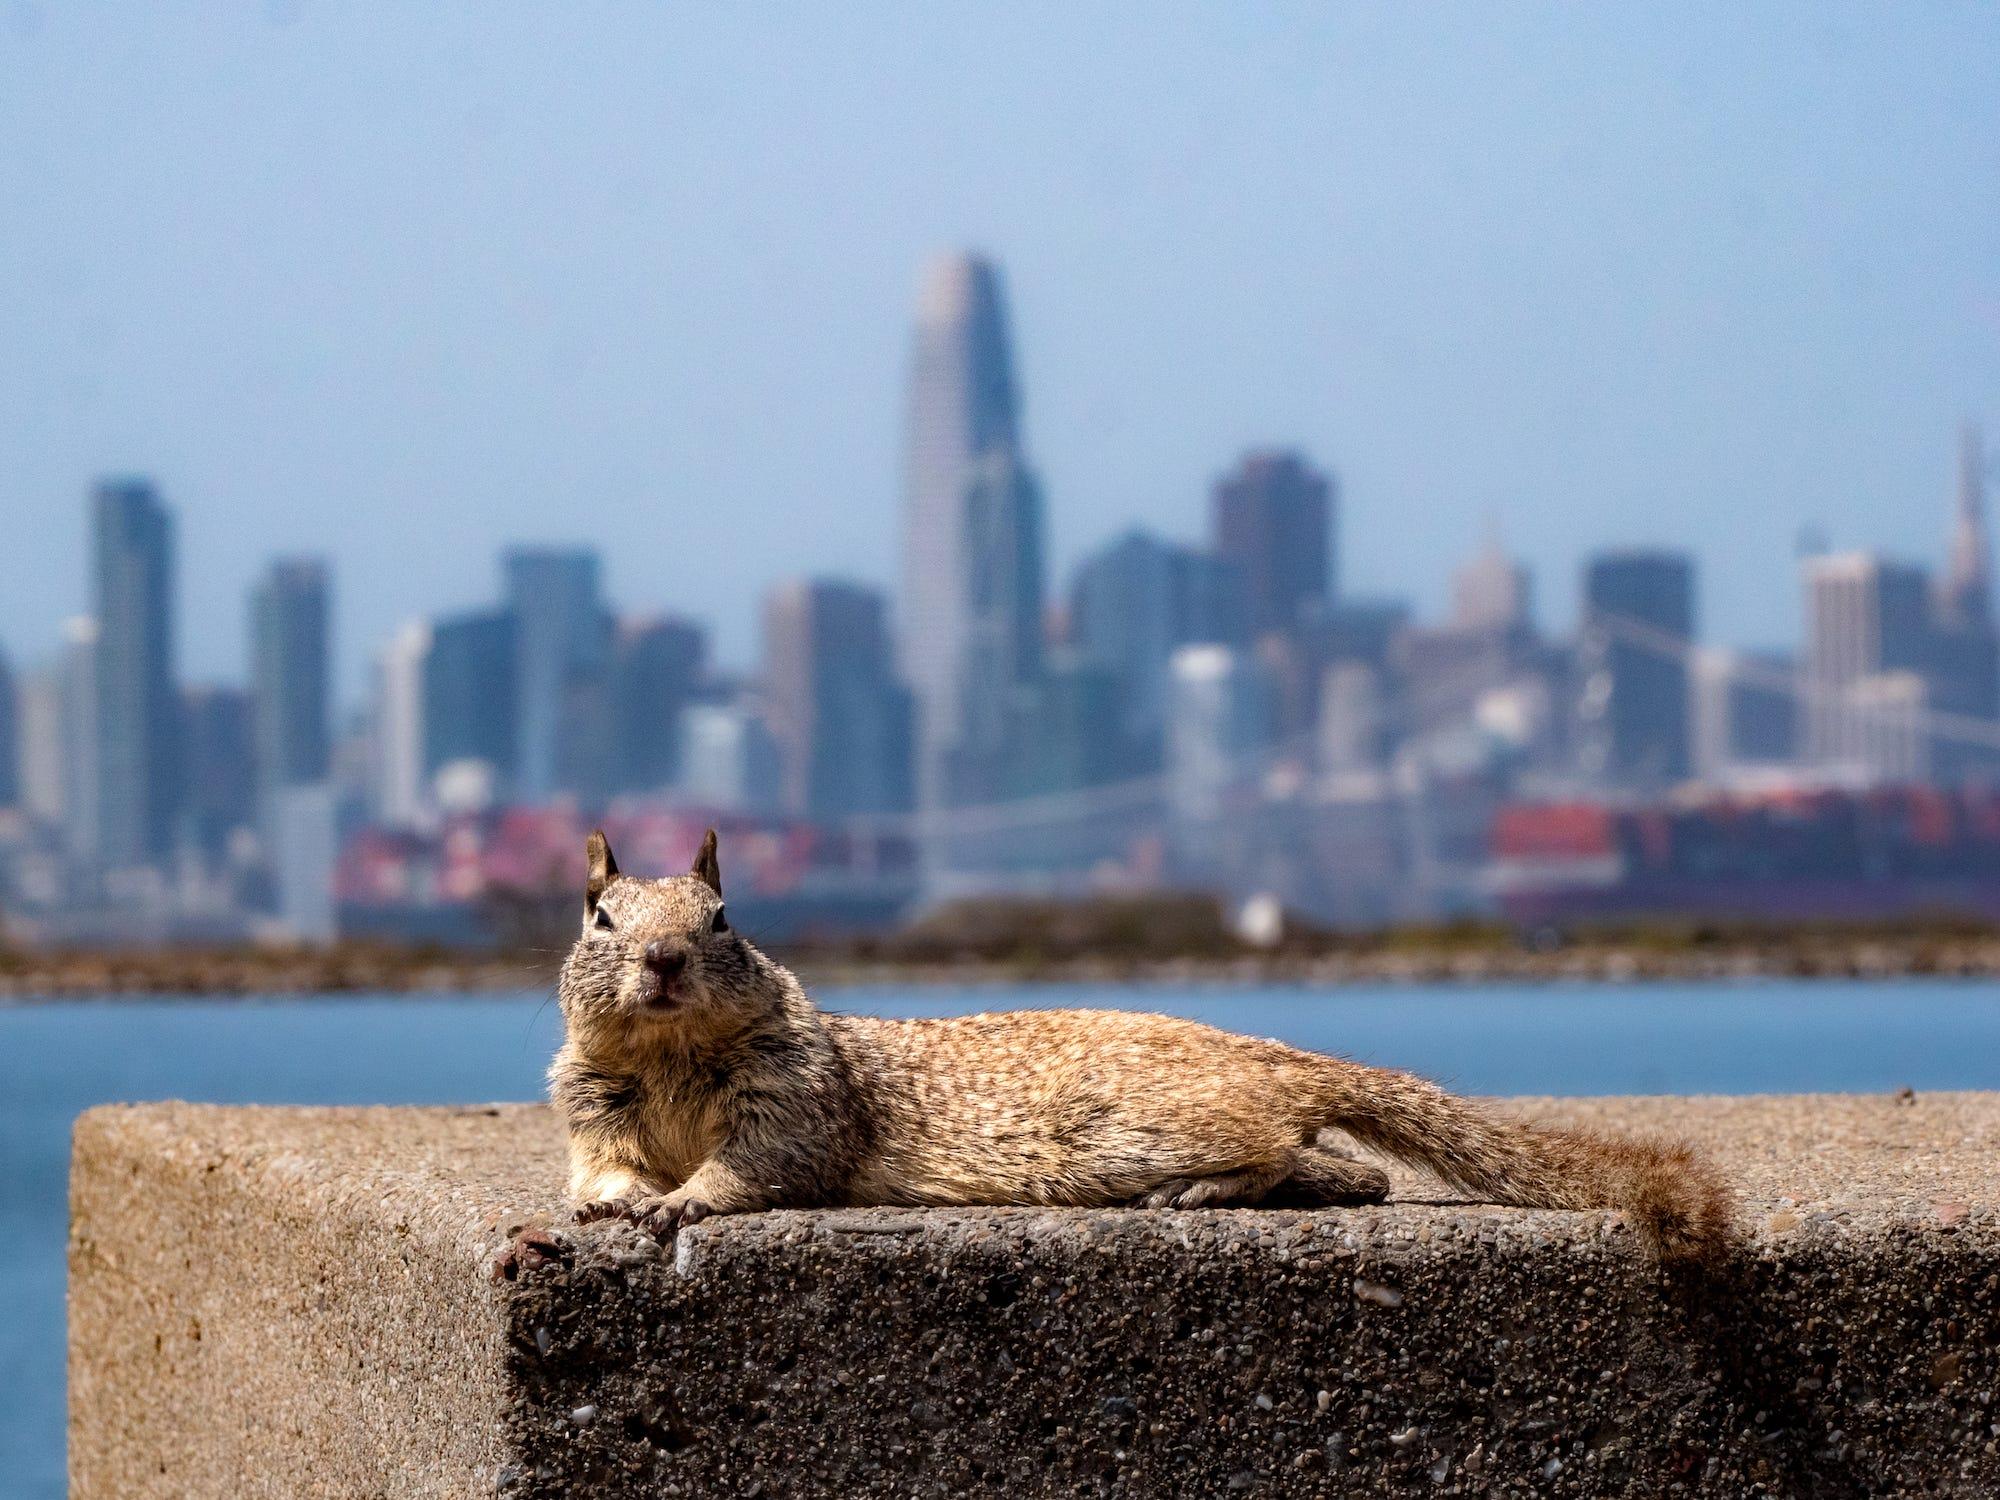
720,924
602,919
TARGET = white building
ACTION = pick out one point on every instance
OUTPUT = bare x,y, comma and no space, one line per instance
1218,720
306,845
399,791
729,759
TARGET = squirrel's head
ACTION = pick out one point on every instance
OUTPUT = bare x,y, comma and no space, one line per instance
657,953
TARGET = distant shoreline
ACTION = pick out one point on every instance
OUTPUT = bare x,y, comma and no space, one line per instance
249,973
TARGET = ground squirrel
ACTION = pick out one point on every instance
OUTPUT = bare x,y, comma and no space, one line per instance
697,1078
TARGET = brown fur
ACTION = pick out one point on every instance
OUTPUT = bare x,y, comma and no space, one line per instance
720,1088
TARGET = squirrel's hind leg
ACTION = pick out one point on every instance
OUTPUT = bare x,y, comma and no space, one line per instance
1323,1178
1238,1189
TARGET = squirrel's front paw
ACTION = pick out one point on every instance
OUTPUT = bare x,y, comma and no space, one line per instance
662,1215
608,1208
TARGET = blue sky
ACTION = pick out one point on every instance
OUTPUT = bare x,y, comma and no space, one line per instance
401,283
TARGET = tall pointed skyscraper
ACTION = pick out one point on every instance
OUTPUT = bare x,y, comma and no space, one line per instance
1967,595
972,570
137,710
1964,670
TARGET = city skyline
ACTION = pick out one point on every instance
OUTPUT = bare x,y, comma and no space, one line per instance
1954,555
1711,301
1214,711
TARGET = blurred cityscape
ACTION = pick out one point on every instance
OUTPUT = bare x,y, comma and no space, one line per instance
1212,713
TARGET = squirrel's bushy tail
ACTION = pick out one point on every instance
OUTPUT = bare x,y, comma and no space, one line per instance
1672,1195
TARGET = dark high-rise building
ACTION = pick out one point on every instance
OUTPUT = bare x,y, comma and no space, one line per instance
1273,522
972,584
562,656
138,710
658,666
1638,628
469,678
289,670
220,784
1132,605
840,717
10,737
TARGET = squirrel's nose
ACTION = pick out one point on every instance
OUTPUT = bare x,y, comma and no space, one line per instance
666,959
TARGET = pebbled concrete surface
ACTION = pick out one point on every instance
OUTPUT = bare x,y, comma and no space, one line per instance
386,1302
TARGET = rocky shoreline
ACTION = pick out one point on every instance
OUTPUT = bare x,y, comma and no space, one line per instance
353,969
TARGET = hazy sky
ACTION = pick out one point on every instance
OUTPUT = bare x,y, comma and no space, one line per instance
403,282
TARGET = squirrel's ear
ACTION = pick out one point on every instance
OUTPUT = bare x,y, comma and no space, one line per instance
705,868
603,870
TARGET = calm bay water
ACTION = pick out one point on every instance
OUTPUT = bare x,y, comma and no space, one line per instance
61,1058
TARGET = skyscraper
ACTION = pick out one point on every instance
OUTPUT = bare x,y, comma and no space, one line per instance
400,797
1273,522
1492,592
137,710
1638,628
1132,605
1867,618
658,666
1000,659
1965,670
840,717
81,744
971,604
289,668
729,760
562,653
219,763
44,768
468,694
10,737
1218,718
1966,597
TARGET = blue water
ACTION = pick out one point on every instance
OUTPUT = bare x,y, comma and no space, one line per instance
58,1059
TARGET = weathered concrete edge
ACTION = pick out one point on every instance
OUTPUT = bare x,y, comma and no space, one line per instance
255,1323
270,1227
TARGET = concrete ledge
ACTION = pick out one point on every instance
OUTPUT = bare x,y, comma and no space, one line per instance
384,1302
